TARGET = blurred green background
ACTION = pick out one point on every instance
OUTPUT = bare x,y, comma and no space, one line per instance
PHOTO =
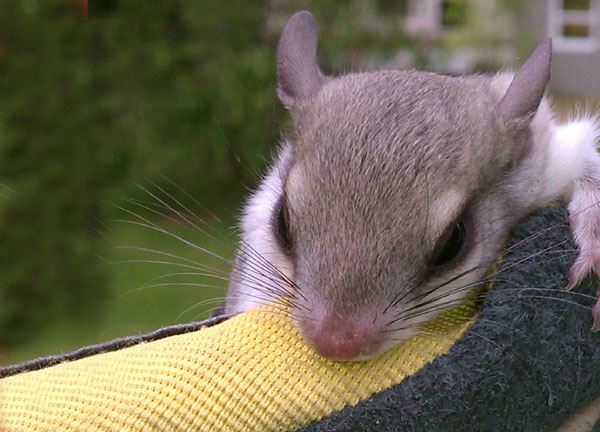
130,133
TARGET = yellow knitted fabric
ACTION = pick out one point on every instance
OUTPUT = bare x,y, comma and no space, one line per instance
250,373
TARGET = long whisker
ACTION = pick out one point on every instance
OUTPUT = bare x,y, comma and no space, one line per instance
446,305
196,264
268,282
426,309
273,273
274,295
145,261
190,196
174,210
151,207
556,299
199,274
402,295
201,305
473,285
445,283
263,283
491,278
196,284
254,263
556,290
153,227
279,273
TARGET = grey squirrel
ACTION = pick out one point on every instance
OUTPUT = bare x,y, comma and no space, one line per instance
395,190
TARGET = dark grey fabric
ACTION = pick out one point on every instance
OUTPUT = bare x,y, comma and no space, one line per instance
527,364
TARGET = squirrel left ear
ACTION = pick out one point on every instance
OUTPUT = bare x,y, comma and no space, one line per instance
524,95
297,69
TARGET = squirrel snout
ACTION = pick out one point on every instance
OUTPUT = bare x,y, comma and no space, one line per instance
343,339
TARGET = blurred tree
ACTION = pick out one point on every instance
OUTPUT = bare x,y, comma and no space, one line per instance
194,88
59,152
355,34
485,26
139,91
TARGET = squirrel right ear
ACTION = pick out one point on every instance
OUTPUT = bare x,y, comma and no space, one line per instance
525,93
297,69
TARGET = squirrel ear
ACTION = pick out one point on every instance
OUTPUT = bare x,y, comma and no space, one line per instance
297,70
523,97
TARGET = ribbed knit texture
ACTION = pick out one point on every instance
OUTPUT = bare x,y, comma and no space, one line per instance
252,372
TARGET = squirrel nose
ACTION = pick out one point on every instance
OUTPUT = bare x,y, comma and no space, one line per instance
342,339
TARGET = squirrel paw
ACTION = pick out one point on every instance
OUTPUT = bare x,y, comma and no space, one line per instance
584,218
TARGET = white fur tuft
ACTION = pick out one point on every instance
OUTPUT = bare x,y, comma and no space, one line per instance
257,232
572,150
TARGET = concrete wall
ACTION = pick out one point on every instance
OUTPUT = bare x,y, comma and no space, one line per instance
576,74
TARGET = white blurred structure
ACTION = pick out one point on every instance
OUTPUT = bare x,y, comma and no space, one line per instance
483,34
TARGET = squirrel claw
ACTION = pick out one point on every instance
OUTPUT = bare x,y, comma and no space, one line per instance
596,315
583,265
584,219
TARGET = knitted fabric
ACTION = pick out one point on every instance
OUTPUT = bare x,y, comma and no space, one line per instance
524,362
252,372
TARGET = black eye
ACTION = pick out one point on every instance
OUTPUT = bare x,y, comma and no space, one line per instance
282,226
451,244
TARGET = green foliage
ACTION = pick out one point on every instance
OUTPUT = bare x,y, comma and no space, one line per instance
358,33
141,91
55,155
140,297
150,92
193,86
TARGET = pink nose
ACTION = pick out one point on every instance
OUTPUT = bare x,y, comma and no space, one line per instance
341,339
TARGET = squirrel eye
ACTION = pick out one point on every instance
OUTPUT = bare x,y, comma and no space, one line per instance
281,225
451,244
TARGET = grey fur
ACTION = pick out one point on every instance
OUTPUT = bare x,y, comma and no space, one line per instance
377,166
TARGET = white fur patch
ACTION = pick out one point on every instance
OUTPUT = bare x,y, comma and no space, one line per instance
257,232
572,149
445,208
